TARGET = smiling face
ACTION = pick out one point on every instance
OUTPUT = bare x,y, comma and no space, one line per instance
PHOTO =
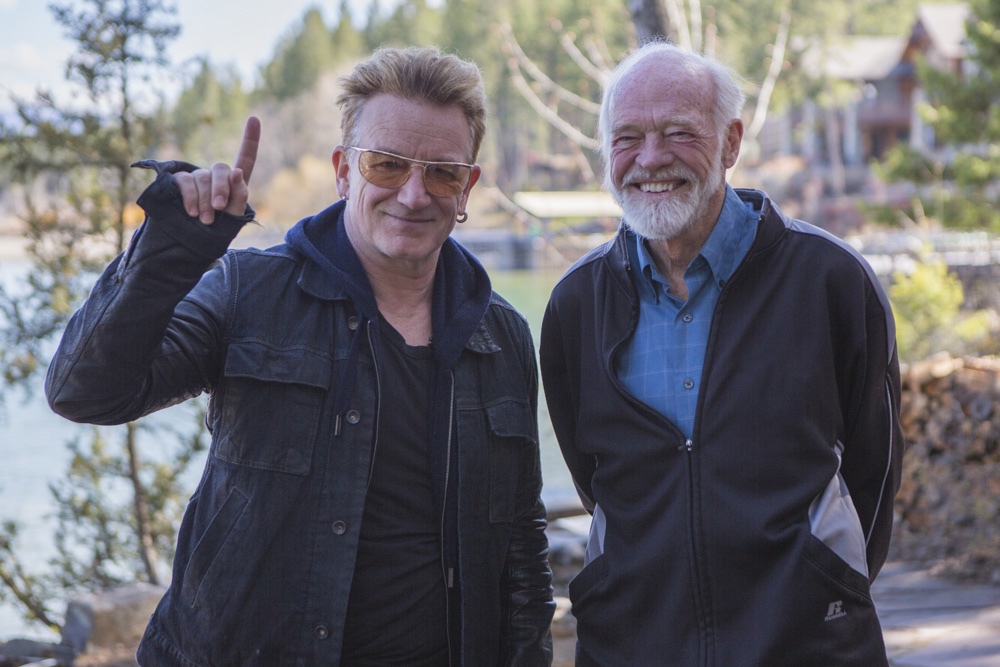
667,157
401,230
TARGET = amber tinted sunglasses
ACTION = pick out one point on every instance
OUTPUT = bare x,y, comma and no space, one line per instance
388,170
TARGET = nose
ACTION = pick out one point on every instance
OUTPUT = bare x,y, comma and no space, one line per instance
655,152
412,192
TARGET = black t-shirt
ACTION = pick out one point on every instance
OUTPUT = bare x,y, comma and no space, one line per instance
396,614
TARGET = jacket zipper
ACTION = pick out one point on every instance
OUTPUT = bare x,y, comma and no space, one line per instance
697,574
448,572
378,403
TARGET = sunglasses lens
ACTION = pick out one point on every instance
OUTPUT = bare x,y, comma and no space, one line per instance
443,179
446,179
383,170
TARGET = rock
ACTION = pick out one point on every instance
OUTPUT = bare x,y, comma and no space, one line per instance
563,622
118,616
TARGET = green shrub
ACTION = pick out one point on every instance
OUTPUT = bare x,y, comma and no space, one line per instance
927,303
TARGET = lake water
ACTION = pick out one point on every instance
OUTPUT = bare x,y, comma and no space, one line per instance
33,451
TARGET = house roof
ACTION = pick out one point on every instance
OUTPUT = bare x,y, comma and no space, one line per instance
945,25
864,58
872,58
568,204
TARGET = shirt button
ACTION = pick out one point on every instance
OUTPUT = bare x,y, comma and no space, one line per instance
688,318
353,416
352,322
339,527
688,383
321,632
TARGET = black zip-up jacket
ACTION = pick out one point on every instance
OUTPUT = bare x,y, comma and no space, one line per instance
753,543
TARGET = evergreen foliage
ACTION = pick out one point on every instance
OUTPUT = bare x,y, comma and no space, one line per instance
958,182
209,114
116,509
302,56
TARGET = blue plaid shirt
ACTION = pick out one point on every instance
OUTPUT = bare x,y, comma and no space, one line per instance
661,365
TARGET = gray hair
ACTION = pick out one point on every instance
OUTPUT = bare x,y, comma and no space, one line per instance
729,98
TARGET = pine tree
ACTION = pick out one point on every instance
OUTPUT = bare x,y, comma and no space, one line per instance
116,511
959,179
305,53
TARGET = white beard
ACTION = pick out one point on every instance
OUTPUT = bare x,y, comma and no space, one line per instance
669,218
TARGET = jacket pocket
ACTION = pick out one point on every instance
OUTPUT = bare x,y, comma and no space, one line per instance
834,521
513,453
206,571
271,403
832,567
585,581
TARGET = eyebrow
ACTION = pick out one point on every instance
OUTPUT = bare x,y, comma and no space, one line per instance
683,122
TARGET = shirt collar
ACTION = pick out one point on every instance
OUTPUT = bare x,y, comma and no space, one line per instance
722,249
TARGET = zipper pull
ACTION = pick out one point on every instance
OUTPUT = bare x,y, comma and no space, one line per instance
451,577
686,447
336,426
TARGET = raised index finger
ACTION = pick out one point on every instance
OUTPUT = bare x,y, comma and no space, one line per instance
246,158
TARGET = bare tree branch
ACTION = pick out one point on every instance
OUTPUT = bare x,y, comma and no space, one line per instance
678,23
773,71
591,69
518,60
17,582
550,115
694,18
599,53
521,217
144,536
711,34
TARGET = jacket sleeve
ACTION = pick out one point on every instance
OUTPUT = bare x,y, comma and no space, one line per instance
562,396
529,576
873,447
143,340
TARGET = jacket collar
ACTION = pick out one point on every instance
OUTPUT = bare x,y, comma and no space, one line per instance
462,289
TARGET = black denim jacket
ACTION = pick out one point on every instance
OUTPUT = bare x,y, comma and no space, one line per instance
265,553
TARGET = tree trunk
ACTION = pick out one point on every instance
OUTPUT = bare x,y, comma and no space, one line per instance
147,550
648,19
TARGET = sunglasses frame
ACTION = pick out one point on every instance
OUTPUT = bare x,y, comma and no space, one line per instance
423,164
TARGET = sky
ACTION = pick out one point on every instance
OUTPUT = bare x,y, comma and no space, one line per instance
244,33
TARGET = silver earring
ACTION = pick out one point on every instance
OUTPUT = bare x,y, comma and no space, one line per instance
343,197
462,217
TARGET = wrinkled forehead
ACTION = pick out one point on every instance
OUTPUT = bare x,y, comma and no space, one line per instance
663,72
662,91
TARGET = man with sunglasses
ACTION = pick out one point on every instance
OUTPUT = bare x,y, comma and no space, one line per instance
371,496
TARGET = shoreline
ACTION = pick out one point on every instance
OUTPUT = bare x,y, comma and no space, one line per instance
13,247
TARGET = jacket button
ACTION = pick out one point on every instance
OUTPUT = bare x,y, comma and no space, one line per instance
321,632
339,527
352,322
353,416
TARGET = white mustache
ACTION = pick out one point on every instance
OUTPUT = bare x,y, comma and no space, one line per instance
639,175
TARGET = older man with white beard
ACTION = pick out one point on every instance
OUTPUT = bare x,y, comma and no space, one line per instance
724,385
